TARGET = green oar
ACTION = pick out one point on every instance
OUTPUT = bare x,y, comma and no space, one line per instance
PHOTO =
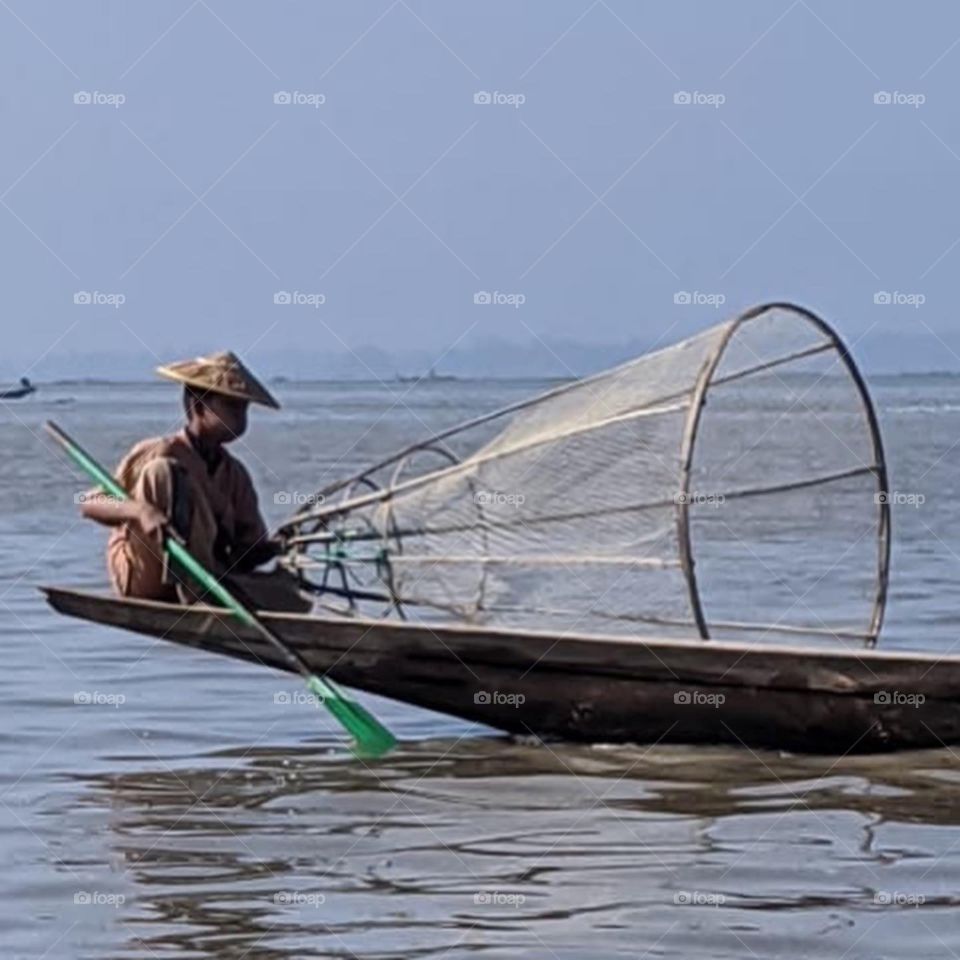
372,738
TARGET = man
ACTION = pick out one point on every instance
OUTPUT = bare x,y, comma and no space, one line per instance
190,482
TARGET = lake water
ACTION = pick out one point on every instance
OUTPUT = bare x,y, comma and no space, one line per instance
181,812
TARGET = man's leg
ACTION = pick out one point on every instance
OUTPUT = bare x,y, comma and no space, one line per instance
274,590
136,562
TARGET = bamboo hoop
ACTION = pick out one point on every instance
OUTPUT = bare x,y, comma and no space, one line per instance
688,446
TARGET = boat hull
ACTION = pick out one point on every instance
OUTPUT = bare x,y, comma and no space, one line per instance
591,688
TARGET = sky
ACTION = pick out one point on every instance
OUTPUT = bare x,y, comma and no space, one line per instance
386,184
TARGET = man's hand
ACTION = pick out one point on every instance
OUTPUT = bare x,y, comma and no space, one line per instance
260,553
150,519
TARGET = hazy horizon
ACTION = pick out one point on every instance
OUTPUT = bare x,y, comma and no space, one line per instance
412,177
481,358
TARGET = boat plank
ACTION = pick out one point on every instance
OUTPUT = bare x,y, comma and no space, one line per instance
580,688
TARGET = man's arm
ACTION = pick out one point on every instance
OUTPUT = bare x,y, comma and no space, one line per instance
112,512
99,506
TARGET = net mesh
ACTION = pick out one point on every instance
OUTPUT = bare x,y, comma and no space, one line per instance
571,512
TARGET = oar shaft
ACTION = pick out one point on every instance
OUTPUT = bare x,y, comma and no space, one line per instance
244,613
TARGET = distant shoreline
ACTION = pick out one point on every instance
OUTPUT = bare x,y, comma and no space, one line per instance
332,381
425,381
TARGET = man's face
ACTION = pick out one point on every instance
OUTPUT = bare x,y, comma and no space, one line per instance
224,418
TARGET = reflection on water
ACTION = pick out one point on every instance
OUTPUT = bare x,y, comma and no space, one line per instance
485,846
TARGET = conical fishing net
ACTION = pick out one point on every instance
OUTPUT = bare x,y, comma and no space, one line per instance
728,486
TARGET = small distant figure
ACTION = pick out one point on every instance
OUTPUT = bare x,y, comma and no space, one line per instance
431,377
25,389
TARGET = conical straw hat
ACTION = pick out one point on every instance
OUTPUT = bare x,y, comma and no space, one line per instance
220,373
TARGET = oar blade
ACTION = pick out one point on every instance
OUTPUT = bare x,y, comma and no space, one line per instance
371,738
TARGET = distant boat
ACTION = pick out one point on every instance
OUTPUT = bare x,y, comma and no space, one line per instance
431,377
25,389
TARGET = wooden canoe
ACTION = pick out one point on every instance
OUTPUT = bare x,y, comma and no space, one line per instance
18,393
593,688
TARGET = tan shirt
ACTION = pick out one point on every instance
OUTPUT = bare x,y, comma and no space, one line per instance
225,523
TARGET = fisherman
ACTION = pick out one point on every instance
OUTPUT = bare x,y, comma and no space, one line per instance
188,482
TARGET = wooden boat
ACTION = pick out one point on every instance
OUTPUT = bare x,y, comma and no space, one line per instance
594,687
454,572
24,390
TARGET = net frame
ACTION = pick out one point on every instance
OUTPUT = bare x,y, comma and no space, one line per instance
879,466
316,525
